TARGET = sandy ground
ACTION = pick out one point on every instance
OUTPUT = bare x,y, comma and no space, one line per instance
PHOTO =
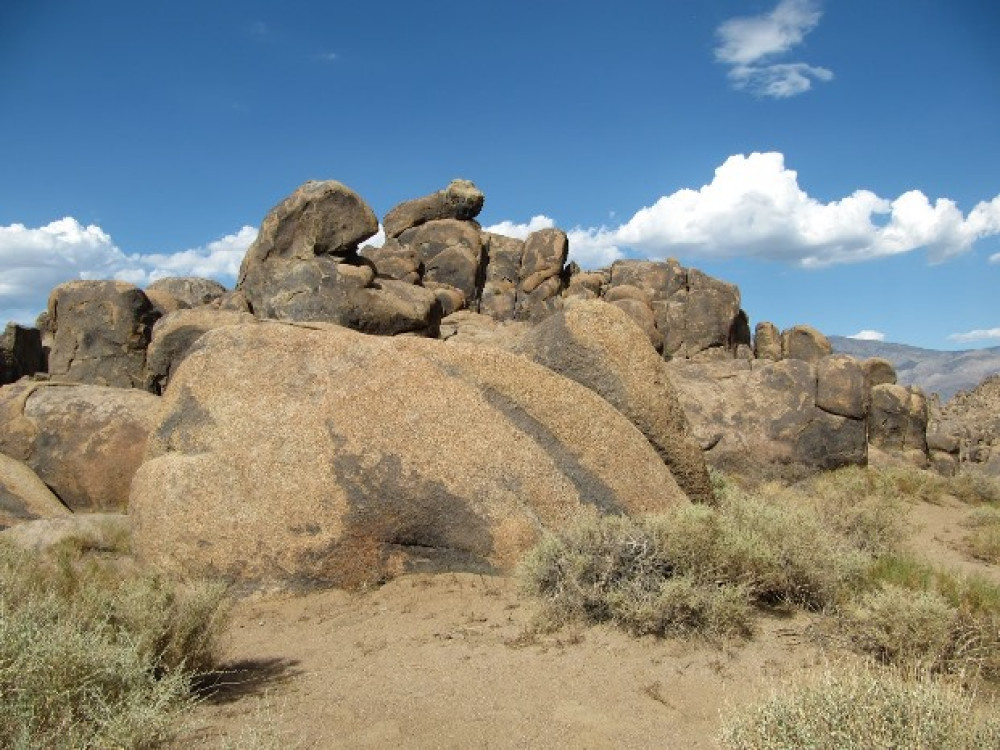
452,661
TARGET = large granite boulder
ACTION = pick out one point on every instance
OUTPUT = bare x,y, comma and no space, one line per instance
747,415
304,266
21,353
461,200
600,347
23,496
333,458
174,334
101,331
767,341
84,441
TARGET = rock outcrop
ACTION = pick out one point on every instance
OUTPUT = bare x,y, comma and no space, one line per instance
23,496
304,266
461,200
964,433
897,421
84,441
21,353
182,292
747,415
100,333
805,343
333,458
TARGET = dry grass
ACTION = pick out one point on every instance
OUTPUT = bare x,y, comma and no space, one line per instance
983,541
93,656
862,709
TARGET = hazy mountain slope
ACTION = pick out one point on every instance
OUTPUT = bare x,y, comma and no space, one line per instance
934,371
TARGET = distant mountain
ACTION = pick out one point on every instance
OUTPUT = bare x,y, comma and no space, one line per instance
935,371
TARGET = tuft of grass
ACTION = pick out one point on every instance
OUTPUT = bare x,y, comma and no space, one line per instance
918,614
984,539
862,709
92,655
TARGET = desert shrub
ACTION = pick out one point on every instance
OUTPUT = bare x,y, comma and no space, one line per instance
924,601
984,539
694,569
94,656
864,709
974,487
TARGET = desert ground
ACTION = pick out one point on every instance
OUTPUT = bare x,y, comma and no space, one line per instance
455,661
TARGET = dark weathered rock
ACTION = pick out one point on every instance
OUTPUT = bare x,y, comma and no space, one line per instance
805,343
878,371
751,415
461,200
660,280
23,496
21,353
394,261
451,252
503,271
699,318
84,441
352,480
544,256
594,344
767,342
174,334
102,329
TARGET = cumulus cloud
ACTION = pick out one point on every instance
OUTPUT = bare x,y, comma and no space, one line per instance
980,334
754,207
521,231
868,334
995,258
750,46
37,259
590,248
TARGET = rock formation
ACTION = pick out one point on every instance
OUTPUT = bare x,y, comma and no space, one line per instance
23,496
965,432
21,353
329,457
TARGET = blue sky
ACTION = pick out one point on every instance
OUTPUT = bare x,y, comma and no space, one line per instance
837,160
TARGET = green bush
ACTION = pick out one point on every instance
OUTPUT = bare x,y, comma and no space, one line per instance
864,709
92,655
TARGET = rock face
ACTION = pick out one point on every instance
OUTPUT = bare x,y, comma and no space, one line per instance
21,353
101,331
174,334
749,414
304,266
84,441
898,421
461,200
540,278
23,496
329,457
596,345
767,342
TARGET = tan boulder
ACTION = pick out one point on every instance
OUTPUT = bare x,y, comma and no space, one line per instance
461,200
596,345
333,458
174,334
841,386
84,441
804,343
879,371
23,496
767,341
642,315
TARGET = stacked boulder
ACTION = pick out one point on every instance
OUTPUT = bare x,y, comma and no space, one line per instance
965,432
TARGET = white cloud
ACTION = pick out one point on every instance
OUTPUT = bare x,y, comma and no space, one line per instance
751,44
34,260
980,334
377,240
521,231
995,258
754,207
868,335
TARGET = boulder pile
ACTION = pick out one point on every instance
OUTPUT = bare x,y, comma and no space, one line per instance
350,412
